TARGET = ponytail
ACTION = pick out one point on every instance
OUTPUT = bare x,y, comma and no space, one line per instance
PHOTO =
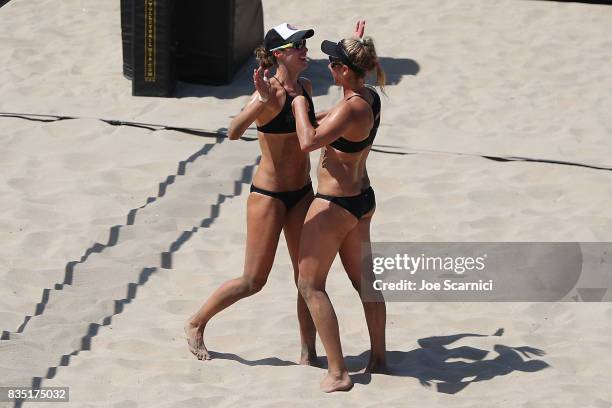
264,58
362,53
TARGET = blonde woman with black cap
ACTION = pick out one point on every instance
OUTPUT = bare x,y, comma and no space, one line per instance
281,191
338,220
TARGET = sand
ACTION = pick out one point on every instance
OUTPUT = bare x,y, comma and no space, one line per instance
112,235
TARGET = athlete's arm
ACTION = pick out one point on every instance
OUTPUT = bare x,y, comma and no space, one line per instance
334,126
241,122
260,98
321,115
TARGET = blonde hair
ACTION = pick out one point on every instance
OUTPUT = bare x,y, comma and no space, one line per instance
362,53
265,58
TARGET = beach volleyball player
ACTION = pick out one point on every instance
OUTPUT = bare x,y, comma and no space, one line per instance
338,220
281,191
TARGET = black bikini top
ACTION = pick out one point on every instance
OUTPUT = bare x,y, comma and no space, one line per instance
348,146
284,122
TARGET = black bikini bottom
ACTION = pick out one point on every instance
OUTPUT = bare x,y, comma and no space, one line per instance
289,198
358,205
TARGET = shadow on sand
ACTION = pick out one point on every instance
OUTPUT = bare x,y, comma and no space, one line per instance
317,72
268,361
431,364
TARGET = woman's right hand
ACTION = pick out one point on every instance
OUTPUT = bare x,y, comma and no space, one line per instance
262,83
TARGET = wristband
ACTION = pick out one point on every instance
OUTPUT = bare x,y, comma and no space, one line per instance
260,99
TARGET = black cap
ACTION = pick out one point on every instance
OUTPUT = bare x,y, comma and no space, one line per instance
285,33
337,50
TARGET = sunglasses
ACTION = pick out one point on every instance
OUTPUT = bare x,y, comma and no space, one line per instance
298,45
335,62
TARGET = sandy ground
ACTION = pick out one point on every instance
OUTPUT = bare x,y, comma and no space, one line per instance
112,235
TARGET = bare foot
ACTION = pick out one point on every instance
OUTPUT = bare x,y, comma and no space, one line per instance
340,382
377,365
195,341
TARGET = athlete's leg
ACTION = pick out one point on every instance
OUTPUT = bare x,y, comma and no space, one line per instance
265,219
293,229
356,255
325,227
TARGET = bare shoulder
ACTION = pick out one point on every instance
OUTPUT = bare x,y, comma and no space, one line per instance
358,105
344,110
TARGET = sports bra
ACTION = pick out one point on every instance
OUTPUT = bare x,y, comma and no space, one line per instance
284,122
348,146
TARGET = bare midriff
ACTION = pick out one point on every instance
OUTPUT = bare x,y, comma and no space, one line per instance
342,174
283,165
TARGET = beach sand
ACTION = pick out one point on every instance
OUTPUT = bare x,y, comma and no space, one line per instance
113,235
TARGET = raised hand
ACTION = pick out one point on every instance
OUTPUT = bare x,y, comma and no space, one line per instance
262,82
526,350
359,29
